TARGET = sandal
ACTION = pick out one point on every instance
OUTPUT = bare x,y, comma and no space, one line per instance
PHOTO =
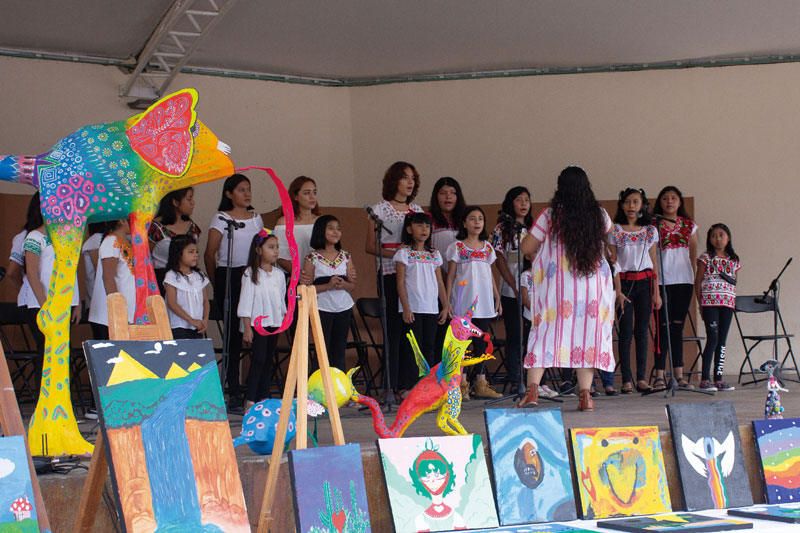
646,387
627,388
659,385
611,391
682,383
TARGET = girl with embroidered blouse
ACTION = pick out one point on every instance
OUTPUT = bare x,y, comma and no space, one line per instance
419,282
174,217
263,295
471,258
679,246
400,187
573,298
114,274
333,272
632,246
185,287
303,193
715,288
505,239
233,206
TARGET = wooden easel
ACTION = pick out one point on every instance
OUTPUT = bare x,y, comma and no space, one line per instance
297,374
11,422
118,330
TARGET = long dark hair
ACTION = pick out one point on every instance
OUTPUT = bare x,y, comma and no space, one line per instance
318,232
728,247
462,230
176,247
508,208
577,221
417,218
167,212
253,260
393,176
621,218
681,208
33,219
438,215
294,188
225,203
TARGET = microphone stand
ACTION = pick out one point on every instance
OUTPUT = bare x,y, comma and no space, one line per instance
521,388
770,297
388,397
673,383
230,227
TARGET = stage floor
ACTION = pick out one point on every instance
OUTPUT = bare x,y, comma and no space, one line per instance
623,410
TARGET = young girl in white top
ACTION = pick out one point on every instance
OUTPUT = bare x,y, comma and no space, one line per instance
114,274
471,258
333,272
185,288
15,274
715,288
632,246
679,245
400,187
419,282
235,208
263,295
174,217
303,193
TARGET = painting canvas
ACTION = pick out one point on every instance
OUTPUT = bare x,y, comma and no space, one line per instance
328,490
437,483
710,460
778,442
694,523
537,528
17,508
620,471
167,435
530,465
787,512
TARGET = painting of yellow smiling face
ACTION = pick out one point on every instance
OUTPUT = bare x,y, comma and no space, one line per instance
620,471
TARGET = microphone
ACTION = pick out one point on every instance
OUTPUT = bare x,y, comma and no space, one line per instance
376,219
231,222
505,217
661,217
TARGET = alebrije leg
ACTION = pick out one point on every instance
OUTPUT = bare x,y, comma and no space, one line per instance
53,418
142,267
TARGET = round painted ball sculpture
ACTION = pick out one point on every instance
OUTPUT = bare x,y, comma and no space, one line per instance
341,387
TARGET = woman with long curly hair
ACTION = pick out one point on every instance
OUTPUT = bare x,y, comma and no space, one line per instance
573,303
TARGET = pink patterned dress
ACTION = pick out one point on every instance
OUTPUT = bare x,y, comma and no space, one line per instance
573,316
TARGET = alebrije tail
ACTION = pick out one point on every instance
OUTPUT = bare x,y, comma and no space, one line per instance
378,422
18,168
419,357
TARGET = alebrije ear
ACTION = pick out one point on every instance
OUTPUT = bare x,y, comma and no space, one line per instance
162,135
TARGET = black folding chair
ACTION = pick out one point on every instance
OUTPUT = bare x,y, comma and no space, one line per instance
756,305
369,309
364,374
23,372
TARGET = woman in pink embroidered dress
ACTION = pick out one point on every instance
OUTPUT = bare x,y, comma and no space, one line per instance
573,293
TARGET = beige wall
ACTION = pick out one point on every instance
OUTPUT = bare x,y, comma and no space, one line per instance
725,136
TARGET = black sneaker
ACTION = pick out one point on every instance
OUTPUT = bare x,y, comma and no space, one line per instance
235,405
566,389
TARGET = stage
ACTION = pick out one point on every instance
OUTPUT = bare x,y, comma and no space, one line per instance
62,492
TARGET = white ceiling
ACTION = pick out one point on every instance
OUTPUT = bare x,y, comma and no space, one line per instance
377,40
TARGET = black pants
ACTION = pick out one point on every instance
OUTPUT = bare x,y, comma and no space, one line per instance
335,328
478,344
438,343
678,298
424,328
235,339
394,327
634,323
185,333
718,323
160,275
38,337
259,377
513,337
99,331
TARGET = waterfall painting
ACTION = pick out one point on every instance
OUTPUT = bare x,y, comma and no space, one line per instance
172,463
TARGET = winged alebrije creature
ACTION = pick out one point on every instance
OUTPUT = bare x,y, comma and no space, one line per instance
773,407
714,461
440,386
103,172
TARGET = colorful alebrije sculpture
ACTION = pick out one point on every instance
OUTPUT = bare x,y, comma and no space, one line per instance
103,172
260,424
773,407
440,386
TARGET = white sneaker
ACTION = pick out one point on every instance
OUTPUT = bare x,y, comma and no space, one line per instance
91,414
547,392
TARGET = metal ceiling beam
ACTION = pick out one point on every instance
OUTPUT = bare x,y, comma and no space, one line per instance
171,45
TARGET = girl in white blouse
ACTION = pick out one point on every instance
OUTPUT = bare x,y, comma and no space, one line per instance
263,295
333,273
185,288
114,274
303,193
233,206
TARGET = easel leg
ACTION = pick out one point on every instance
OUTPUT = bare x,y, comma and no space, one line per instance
93,488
